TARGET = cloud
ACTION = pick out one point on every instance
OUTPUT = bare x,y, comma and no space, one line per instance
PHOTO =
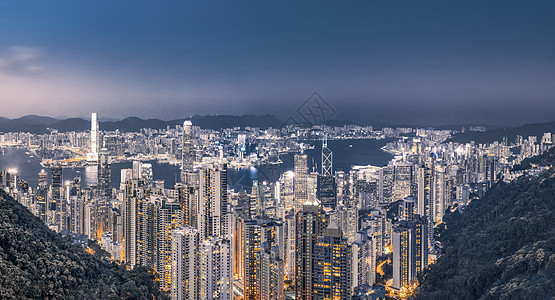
21,61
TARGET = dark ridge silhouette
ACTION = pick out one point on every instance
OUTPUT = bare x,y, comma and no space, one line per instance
42,125
34,120
72,124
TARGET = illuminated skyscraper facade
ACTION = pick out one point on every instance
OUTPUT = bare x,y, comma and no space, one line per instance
184,263
331,277
215,269
187,152
410,250
310,224
104,173
213,202
300,181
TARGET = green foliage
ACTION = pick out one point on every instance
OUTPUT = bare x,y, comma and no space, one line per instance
545,159
501,247
37,263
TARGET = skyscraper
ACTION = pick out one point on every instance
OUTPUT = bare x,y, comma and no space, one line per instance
42,179
42,197
271,272
255,201
188,194
387,174
215,269
168,216
185,267
331,265
95,139
410,250
104,174
407,208
136,224
56,186
262,239
310,224
213,200
95,146
440,190
402,180
326,189
425,194
300,181
327,159
187,152
363,261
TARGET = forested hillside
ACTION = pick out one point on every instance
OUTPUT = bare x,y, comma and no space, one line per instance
501,247
545,159
37,263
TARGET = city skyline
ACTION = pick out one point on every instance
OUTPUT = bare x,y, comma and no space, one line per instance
429,64
303,231
288,150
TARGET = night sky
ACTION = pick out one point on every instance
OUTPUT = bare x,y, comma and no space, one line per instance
383,62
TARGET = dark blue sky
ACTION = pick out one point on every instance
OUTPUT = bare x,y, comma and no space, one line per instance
427,62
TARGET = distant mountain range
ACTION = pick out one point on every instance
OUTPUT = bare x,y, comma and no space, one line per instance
489,136
40,124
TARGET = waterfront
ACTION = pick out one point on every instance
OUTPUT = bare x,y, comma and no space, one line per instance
346,154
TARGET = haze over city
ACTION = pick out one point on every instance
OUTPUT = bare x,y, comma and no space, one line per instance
382,62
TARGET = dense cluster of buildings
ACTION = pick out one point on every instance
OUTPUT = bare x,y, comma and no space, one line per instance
315,233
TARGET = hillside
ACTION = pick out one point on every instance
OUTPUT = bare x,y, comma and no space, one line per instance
501,247
490,136
36,263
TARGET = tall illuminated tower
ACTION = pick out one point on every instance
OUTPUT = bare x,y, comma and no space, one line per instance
187,155
310,224
326,187
327,158
300,184
167,217
215,269
409,239
331,266
184,269
95,147
42,197
213,201
56,178
104,174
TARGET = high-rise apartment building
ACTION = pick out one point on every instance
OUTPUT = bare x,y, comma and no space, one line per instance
213,201
168,216
310,224
215,269
363,261
185,263
331,271
410,250
104,173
